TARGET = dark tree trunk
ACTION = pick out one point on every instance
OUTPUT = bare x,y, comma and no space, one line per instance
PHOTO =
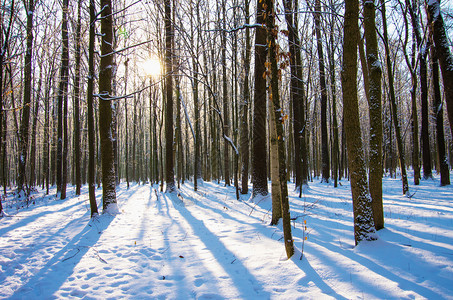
396,123
331,54
374,76
226,103
169,168
426,152
62,99
126,128
439,114
4,42
363,215
33,135
245,107
259,148
322,83
443,53
23,132
297,96
105,109
77,148
90,113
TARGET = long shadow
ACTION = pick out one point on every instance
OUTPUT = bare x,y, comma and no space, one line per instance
396,236
312,275
403,283
212,242
54,273
33,217
143,215
221,212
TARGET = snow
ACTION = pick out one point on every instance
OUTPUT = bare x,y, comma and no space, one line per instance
207,245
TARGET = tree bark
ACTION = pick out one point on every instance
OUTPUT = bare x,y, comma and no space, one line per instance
399,140
90,113
245,106
276,190
374,76
322,84
62,99
414,117
259,155
363,215
226,103
297,96
77,148
33,135
23,131
272,34
105,110
444,55
169,168
331,57
439,114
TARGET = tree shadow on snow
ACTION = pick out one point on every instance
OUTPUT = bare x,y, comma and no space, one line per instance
51,276
243,280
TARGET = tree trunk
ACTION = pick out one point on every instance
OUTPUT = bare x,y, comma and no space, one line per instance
414,117
443,53
4,42
126,128
62,99
426,151
322,83
169,168
363,215
105,110
259,155
245,107
278,121
23,132
374,76
33,135
46,137
77,148
276,190
399,140
226,103
331,57
297,96
439,114
90,113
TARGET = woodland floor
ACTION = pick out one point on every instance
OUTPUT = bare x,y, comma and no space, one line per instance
207,245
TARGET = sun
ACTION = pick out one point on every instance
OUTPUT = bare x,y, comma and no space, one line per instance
152,67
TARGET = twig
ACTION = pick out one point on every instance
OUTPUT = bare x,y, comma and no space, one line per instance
78,250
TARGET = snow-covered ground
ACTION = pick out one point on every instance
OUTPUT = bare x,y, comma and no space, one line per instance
207,245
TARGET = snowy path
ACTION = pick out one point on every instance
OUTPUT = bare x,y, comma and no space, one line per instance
207,245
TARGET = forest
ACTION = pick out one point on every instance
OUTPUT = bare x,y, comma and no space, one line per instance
267,99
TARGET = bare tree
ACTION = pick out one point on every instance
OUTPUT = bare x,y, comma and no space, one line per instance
259,155
77,146
23,132
325,168
443,53
439,114
245,105
363,215
396,123
374,75
278,119
169,33
90,112
105,109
